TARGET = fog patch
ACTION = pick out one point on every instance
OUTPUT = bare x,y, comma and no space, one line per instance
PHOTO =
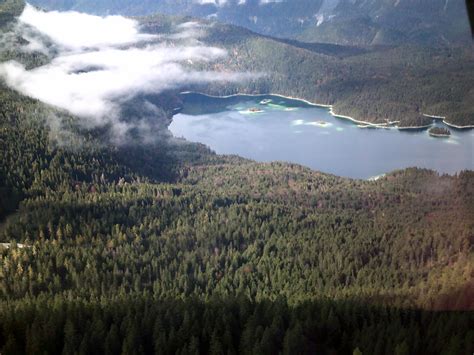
98,64
297,122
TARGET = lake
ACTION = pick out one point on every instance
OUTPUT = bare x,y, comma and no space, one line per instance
271,128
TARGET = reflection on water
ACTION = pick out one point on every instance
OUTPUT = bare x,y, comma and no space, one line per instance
291,130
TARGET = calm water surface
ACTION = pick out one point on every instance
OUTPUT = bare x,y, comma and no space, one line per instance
293,131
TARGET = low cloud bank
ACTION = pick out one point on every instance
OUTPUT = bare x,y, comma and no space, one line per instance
98,63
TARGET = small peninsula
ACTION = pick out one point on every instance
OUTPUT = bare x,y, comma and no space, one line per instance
439,132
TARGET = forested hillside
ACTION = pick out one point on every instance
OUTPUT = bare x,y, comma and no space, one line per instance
374,84
109,239
165,247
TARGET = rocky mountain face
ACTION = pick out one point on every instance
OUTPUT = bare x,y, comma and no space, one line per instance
351,22
387,22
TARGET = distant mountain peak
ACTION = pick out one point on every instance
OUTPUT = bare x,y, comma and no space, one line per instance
354,22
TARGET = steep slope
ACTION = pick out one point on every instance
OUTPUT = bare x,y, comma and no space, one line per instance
374,84
391,22
354,22
9,10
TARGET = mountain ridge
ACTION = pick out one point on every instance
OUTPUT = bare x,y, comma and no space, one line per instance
432,22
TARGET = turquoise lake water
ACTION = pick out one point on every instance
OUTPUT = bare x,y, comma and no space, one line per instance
293,131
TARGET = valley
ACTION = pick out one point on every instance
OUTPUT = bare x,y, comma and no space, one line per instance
118,237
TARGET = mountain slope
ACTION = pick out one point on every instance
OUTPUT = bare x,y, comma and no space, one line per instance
354,22
390,22
353,237
374,84
105,240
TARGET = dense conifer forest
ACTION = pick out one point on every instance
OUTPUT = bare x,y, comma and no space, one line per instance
266,251
168,248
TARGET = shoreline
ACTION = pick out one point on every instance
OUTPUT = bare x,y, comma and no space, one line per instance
444,120
388,125
434,116
331,111
330,107
452,125
415,127
439,135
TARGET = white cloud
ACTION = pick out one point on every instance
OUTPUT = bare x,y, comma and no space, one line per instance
105,61
68,81
74,30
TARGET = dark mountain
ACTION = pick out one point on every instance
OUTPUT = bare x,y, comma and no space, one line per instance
353,22
391,22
